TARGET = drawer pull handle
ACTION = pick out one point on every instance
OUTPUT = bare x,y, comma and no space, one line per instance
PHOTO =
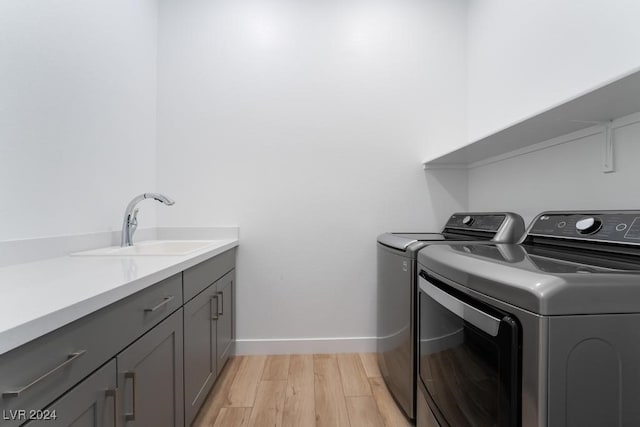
131,416
164,302
215,315
116,409
221,312
70,359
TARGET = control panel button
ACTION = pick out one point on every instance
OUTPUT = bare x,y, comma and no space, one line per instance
621,227
467,220
562,224
588,225
634,230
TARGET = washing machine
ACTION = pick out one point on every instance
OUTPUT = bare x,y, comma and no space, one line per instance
544,333
396,288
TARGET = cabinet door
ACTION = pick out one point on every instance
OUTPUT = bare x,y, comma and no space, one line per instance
92,403
150,375
226,298
200,317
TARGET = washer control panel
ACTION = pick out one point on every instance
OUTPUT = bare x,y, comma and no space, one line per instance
481,222
616,227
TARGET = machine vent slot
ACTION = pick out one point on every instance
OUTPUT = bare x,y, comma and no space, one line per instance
461,234
591,249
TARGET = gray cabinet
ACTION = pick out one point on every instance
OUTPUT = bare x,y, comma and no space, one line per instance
200,337
225,322
208,341
199,277
92,403
37,373
150,375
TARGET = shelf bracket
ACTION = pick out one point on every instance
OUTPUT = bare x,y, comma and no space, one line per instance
607,148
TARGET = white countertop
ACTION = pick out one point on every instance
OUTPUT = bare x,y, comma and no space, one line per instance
39,297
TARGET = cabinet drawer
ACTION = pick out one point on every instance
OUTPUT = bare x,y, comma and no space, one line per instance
92,403
35,374
199,277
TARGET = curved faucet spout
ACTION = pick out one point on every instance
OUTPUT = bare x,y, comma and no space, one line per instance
159,197
130,221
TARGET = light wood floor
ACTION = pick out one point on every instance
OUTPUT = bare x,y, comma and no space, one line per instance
331,390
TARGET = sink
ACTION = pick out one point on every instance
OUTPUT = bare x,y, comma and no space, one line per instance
152,248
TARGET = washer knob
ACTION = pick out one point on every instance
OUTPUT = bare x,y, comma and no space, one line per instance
467,220
588,225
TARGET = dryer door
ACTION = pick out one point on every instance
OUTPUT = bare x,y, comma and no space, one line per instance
469,358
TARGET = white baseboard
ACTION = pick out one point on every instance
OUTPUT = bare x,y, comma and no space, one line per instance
306,345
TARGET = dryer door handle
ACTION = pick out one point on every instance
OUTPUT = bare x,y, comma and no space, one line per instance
477,318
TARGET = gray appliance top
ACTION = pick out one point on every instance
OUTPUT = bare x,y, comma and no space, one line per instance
567,264
462,226
403,241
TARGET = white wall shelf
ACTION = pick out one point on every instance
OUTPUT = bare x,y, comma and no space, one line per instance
617,98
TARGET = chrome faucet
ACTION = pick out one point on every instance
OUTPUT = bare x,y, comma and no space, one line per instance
130,222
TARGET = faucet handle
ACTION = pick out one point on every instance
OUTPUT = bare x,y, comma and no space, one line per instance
133,221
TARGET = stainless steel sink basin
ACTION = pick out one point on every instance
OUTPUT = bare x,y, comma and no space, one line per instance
152,248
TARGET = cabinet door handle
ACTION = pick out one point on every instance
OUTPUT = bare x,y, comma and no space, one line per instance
215,315
221,311
116,402
70,359
131,416
164,302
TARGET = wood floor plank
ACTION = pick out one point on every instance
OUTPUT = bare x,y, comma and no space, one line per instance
313,394
242,392
354,378
370,364
331,407
276,367
219,394
233,417
391,414
299,404
324,356
363,412
269,404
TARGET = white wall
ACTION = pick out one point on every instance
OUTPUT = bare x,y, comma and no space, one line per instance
527,55
301,122
304,123
567,176
77,114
